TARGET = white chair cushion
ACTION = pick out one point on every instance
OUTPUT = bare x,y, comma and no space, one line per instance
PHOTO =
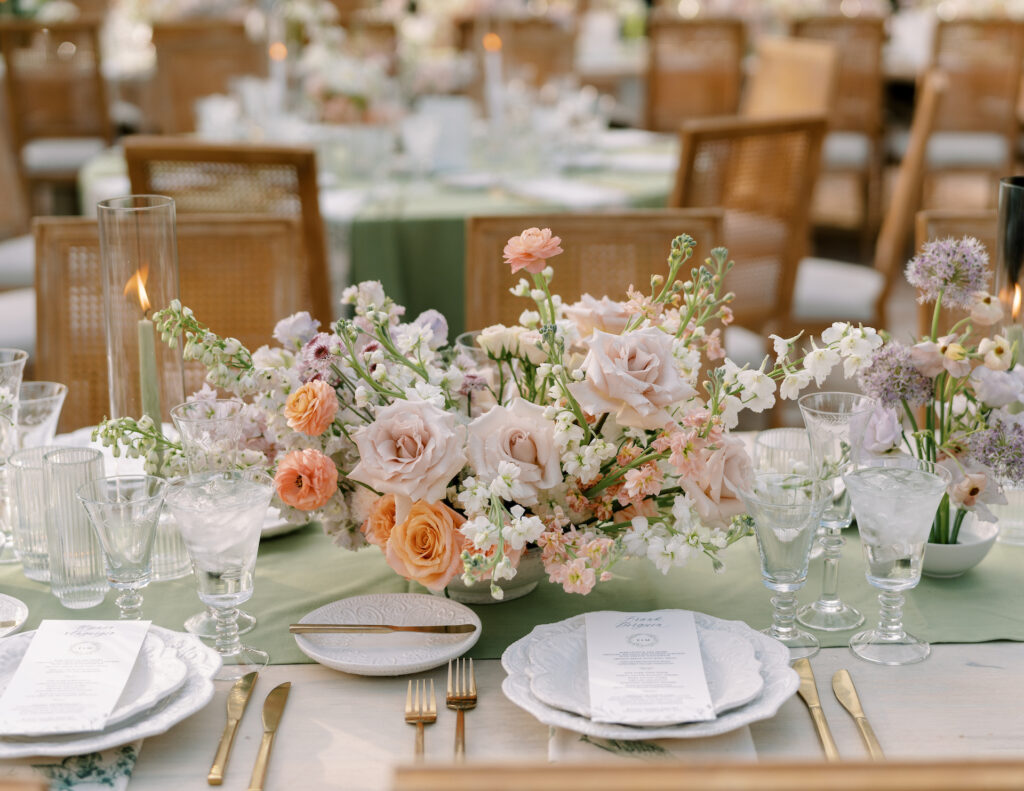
835,291
846,151
18,262
18,320
60,154
956,149
744,347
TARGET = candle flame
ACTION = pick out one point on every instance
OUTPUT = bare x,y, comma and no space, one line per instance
278,51
492,42
137,284
1016,302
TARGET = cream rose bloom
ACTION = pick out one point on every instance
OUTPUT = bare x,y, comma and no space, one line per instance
589,314
715,489
412,450
632,376
518,434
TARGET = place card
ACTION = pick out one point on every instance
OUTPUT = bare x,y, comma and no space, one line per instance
646,668
71,676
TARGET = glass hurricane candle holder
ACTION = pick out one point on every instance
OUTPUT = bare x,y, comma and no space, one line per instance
124,511
895,500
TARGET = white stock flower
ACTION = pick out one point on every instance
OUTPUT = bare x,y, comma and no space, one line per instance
296,330
758,390
480,532
793,383
820,362
837,331
522,529
668,551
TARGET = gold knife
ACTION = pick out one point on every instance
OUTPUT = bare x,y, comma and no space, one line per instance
7,624
273,708
809,692
349,628
847,695
238,699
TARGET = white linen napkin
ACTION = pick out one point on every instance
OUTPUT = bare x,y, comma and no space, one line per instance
109,770
572,194
565,746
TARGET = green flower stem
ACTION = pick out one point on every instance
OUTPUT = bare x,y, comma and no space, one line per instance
935,316
957,524
611,478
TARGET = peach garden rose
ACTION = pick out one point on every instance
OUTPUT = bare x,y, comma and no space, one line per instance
311,408
427,545
531,249
380,521
306,479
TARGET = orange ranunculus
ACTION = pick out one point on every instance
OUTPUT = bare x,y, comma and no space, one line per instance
531,249
427,546
306,479
311,408
380,521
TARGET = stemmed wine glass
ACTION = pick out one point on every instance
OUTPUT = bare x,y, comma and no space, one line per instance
786,510
895,500
835,423
39,408
124,511
210,432
220,515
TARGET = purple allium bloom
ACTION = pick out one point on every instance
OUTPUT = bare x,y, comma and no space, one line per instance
318,356
891,377
955,267
1001,449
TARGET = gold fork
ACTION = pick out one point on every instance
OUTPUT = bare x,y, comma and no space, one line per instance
461,697
419,711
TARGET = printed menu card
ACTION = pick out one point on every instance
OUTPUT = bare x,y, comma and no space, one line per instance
646,668
71,676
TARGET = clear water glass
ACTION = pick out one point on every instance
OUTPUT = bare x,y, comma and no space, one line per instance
210,432
786,510
77,577
12,367
124,511
835,425
30,499
39,408
220,515
895,500
786,450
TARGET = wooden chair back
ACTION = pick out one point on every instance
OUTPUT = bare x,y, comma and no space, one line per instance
197,58
348,10
761,173
906,196
604,255
228,178
54,81
536,48
982,62
858,102
694,70
792,77
935,224
240,274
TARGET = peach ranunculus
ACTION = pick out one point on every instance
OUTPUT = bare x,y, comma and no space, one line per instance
715,489
521,435
311,408
531,249
427,545
306,479
380,521
412,450
589,314
632,376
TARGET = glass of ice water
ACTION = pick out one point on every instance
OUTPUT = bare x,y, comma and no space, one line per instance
894,500
220,515
786,509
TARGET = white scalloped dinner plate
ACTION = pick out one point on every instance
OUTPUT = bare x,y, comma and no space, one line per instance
12,609
202,663
780,683
393,654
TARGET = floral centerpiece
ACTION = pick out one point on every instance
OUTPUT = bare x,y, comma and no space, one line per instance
579,431
956,397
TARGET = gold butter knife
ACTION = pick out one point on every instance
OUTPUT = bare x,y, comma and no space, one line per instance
238,699
809,692
847,695
273,708
350,628
7,624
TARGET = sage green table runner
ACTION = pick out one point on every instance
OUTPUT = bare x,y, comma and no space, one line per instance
299,572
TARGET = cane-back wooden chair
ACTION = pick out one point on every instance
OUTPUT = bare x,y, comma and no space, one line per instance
537,48
196,58
228,178
792,77
604,255
240,274
694,70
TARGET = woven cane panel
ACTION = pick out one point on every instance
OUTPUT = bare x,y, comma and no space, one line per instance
695,71
228,187
604,255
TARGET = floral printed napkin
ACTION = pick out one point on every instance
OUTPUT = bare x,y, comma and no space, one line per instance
566,746
109,770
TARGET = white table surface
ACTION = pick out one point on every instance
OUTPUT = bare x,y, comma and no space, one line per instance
347,732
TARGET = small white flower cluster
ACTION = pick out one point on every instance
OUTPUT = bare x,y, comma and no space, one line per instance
669,545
